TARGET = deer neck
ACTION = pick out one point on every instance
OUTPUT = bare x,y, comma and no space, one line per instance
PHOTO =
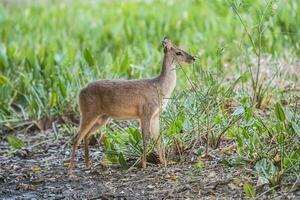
167,77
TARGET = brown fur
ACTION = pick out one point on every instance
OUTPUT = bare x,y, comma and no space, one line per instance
139,99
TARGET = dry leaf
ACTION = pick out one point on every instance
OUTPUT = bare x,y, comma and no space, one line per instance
35,169
171,162
150,186
228,149
173,177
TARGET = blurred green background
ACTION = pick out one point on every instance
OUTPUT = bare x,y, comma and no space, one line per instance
50,49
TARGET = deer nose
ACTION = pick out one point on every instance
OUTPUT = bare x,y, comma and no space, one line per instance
192,60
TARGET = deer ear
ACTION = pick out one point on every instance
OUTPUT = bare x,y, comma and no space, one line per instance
166,43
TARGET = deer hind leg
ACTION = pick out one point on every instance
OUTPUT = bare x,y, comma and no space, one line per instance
86,123
99,122
156,137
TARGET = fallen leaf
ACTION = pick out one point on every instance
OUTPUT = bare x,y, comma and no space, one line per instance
173,177
35,169
150,186
228,149
212,174
23,186
233,186
277,158
67,163
171,162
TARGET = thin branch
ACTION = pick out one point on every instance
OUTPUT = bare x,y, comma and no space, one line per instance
245,28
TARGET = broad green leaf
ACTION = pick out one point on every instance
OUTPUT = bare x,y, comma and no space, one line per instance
218,119
122,161
88,57
15,142
265,168
280,138
279,127
279,112
249,190
3,80
53,99
200,165
106,143
199,151
244,77
136,134
249,113
240,141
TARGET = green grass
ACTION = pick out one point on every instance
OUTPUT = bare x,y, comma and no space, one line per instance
48,51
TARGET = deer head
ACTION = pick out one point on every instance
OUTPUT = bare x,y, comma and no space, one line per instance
179,56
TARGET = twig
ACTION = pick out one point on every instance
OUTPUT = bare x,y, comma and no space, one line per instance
245,28
272,188
214,184
294,184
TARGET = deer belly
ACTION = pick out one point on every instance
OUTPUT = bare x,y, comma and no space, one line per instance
123,117
123,113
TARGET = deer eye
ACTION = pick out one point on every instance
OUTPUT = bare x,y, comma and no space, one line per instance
178,53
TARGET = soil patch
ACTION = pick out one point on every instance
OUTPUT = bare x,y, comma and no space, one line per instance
39,172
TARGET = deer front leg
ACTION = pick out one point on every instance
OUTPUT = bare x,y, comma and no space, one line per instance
157,139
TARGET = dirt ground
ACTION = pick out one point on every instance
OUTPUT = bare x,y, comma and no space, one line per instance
39,172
